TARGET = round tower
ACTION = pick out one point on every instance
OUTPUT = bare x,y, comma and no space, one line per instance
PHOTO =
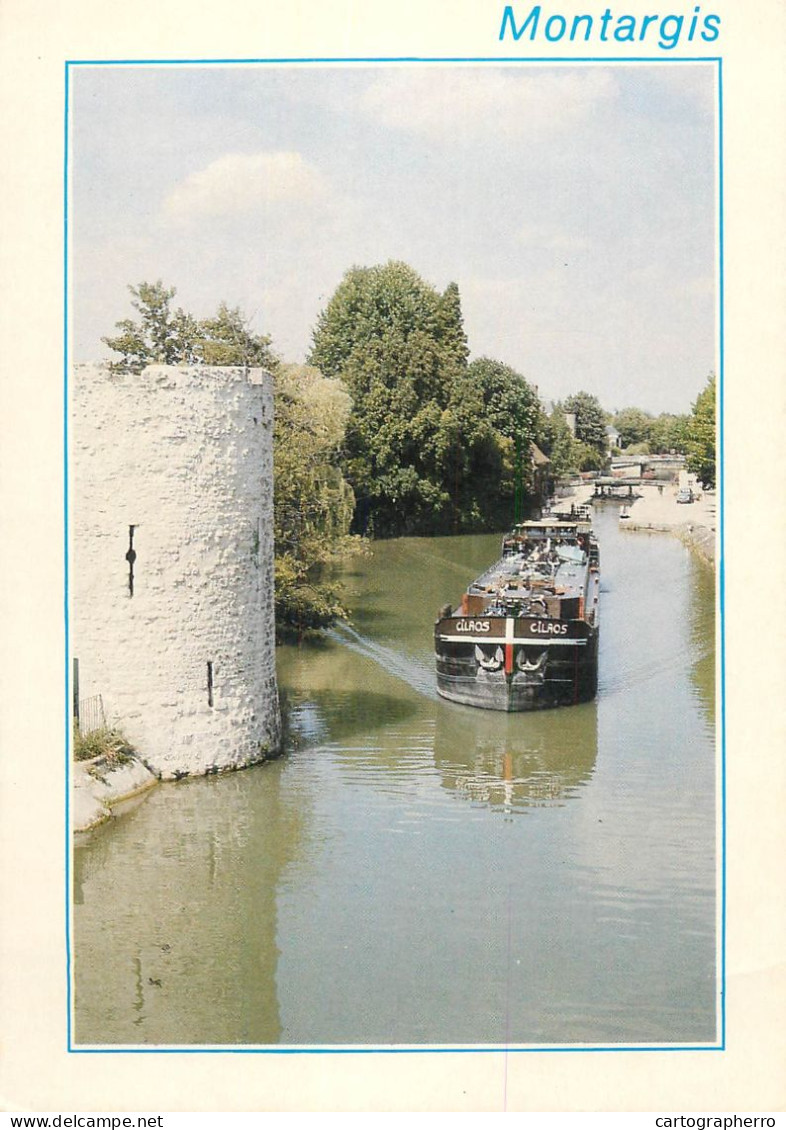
170,508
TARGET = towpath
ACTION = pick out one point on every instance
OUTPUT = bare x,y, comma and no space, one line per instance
695,522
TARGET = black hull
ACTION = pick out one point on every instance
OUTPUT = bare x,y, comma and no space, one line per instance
565,673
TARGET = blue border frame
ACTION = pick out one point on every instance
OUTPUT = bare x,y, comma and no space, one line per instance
720,570
66,540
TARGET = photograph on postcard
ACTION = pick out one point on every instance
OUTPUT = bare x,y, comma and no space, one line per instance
393,499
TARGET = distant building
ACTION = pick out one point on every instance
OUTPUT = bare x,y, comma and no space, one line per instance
548,407
612,437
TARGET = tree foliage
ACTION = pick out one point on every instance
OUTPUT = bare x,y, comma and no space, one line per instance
425,452
163,336
668,433
313,504
510,405
568,453
511,408
634,426
700,434
590,419
587,457
556,440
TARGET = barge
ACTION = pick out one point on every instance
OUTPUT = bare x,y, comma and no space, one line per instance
525,635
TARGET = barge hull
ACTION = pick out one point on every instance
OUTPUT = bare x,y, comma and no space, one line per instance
569,676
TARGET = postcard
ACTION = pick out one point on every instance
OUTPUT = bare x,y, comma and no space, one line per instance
392,708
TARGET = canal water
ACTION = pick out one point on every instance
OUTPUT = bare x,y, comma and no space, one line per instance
415,872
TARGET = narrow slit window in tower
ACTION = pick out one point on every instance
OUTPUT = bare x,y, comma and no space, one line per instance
131,558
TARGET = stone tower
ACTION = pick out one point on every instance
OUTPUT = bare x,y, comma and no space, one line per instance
171,564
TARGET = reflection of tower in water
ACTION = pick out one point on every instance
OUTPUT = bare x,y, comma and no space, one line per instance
193,949
516,761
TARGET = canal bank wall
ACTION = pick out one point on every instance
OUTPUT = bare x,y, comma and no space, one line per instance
99,786
701,539
657,511
694,523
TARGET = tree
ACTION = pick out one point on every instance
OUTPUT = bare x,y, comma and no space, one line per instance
450,327
374,311
226,339
433,444
313,504
419,451
634,426
587,457
590,419
473,461
510,404
667,433
701,435
162,336
556,440
172,337
511,407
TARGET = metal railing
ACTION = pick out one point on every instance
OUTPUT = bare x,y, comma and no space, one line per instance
89,714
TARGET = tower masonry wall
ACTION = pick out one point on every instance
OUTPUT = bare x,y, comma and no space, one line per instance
171,561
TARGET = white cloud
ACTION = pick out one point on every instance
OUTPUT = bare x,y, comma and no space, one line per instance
544,191
457,104
241,183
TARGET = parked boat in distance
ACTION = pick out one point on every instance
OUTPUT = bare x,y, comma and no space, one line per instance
525,635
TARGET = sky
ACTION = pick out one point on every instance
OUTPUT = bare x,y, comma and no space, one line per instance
574,206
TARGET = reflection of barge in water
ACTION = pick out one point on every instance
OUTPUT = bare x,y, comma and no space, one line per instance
512,763
526,636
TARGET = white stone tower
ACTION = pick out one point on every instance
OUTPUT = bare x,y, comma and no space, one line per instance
171,565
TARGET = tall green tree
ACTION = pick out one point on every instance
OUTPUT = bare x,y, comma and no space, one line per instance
633,425
473,461
419,448
590,419
450,327
511,407
161,336
510,404
701,434
374,311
